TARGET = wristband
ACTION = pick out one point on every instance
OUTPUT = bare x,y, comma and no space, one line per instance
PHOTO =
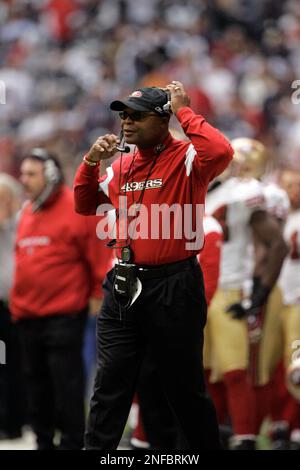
90,162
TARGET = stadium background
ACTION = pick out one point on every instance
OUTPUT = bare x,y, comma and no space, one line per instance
63,61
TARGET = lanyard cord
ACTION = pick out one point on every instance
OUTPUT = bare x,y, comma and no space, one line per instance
129,173
140,200
115,244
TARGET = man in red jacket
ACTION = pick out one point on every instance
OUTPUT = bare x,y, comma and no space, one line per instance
58,274
154,297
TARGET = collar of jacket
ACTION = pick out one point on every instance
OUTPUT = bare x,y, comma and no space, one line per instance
157,149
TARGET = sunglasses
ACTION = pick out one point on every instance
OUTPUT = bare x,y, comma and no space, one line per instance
136,115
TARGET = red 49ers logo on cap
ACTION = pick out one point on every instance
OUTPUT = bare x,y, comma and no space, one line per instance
136,94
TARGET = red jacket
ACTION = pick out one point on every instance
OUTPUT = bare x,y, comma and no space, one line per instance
180,176
60,263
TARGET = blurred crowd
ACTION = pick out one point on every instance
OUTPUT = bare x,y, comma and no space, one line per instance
63,61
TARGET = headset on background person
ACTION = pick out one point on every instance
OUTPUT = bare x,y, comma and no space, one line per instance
52,172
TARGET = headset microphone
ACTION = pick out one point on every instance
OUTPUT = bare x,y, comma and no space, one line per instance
122,147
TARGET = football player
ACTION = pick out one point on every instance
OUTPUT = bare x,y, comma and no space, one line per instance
289,282
236,326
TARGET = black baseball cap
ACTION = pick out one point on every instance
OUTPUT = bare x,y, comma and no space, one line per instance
143,99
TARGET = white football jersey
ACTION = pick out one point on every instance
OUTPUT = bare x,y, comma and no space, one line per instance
289,279
277,201
210,225
232,204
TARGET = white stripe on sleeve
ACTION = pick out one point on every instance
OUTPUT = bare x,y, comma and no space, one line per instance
104,185
210,224
189,158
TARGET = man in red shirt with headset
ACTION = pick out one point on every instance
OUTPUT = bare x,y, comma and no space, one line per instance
59,268
154,297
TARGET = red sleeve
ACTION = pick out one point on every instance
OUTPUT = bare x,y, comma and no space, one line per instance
209,259
87,195
96,254
214,151
99,256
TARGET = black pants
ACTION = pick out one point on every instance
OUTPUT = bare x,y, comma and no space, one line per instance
168,318
160,424
12,398
53,366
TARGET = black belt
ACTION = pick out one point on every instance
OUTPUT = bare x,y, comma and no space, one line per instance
165,270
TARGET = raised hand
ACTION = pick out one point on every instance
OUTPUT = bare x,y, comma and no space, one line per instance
104,147
179,97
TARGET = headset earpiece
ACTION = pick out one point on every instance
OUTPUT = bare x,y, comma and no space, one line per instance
167,107
51,172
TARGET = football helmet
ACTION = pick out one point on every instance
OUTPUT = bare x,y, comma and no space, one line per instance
249,158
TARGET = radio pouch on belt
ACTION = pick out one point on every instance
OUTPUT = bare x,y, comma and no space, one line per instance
125,280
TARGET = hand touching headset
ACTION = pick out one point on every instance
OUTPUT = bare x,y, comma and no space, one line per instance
178,97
